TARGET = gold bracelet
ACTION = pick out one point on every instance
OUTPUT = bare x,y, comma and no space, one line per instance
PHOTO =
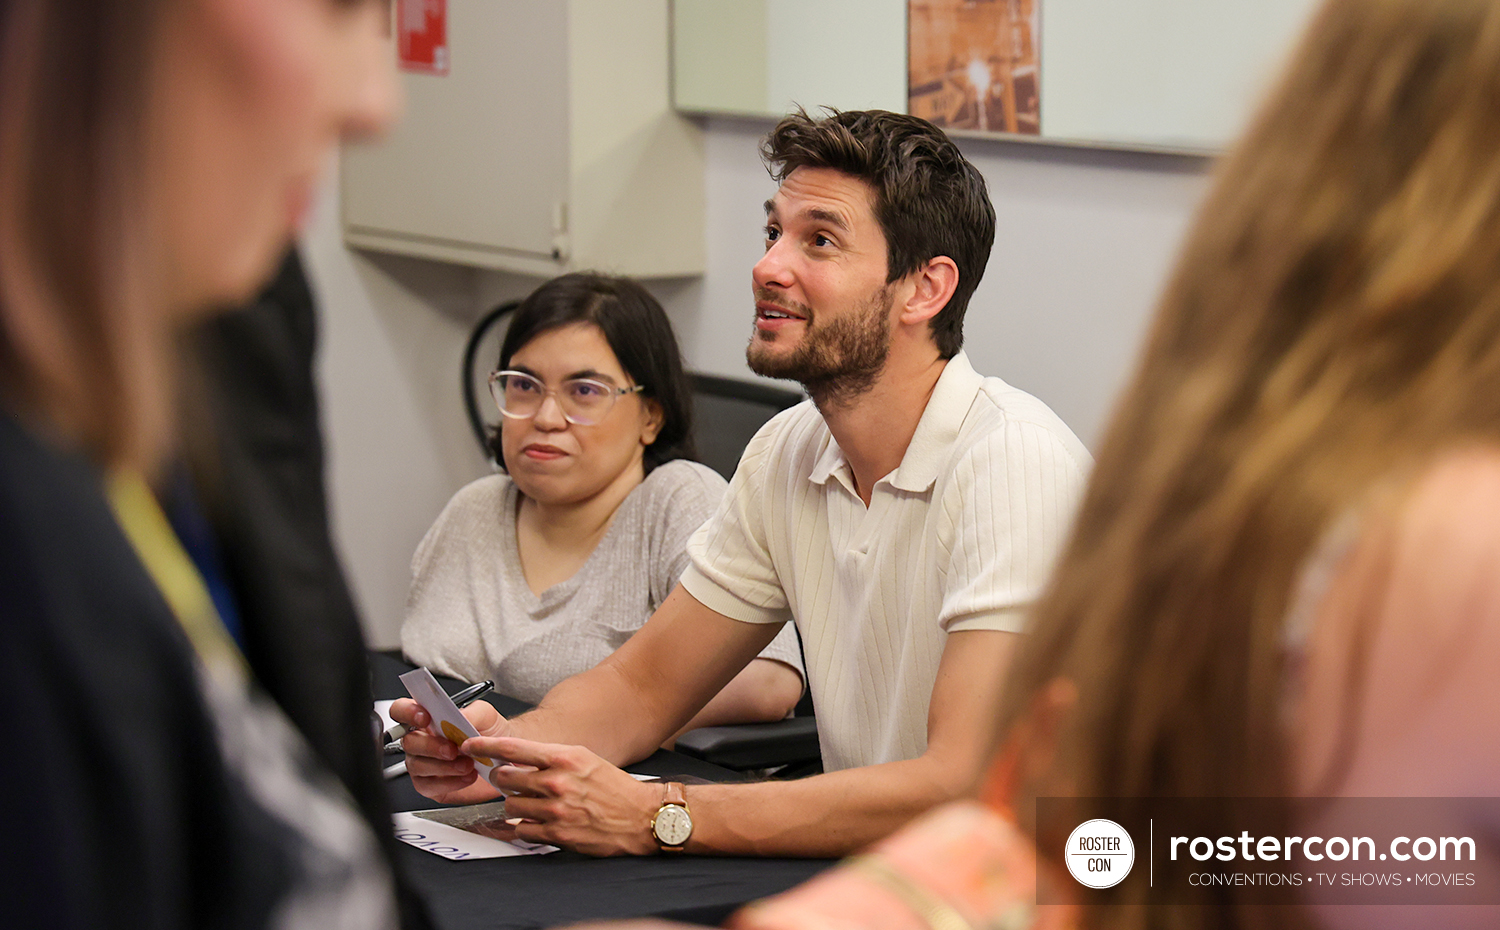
934,911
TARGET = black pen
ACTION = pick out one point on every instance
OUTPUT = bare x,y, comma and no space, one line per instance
462,699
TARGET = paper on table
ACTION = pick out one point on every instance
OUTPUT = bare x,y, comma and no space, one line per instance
446,718
419,829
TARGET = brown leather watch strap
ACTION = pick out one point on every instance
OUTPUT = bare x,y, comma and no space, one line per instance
673,823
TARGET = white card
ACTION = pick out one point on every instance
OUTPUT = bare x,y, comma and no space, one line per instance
446,718
451,842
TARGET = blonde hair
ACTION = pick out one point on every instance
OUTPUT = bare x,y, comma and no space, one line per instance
1334,320
83,346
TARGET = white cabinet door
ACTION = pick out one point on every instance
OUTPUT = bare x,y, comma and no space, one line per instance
480,160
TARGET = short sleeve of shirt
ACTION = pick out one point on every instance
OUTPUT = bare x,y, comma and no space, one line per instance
1009,507
730,568
683,496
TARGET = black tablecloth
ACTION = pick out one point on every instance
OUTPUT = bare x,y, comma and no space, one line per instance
543,891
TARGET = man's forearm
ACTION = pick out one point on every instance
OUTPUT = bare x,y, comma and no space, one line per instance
834,814
568,795
572,714
629,704
826,815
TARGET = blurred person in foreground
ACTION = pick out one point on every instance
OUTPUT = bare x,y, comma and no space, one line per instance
155,159
248,500
1285,578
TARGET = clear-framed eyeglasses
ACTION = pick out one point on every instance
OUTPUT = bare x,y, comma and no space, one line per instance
583,401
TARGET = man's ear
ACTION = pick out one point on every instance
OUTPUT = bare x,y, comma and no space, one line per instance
1030,746
933,285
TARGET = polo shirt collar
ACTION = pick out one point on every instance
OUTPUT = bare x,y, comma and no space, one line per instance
944,415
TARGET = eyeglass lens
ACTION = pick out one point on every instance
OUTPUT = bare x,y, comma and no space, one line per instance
583,400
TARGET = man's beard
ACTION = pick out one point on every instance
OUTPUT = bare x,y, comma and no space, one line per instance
835,363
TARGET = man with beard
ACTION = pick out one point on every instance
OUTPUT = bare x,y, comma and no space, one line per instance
904,519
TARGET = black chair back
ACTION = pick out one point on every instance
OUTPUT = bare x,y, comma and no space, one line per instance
726,414
481,353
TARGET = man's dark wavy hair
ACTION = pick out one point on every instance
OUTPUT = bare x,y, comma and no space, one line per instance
929,200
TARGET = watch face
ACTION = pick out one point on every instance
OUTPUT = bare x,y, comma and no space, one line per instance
673,825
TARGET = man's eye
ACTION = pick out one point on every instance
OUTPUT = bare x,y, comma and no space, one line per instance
772,234
822,240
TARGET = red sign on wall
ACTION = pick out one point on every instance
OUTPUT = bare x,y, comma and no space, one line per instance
422,36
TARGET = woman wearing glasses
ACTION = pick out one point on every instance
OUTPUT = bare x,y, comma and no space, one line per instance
540,573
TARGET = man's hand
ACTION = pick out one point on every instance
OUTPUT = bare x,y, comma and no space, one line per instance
568,796
438,769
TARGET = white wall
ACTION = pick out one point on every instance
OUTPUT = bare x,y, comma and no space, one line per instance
1085,239
392,334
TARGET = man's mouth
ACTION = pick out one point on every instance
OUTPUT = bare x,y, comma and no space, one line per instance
765,310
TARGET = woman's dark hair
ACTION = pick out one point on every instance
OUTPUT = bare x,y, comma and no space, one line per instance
638,332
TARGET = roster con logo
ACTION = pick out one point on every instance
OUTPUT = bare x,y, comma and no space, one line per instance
1099,853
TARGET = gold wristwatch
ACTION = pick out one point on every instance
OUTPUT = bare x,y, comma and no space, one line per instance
672,824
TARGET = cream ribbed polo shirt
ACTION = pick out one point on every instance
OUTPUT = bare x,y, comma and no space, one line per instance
960,536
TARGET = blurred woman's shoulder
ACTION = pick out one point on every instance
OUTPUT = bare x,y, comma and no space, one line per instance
1431,542
1457,495
1443,552
1406,639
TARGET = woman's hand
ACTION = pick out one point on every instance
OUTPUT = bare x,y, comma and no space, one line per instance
438,769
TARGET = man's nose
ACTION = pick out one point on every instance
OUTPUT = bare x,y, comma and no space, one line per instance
773,270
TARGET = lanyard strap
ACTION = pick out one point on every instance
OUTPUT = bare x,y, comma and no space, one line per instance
140,516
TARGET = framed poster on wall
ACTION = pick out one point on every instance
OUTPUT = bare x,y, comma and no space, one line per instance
1164,75
973,64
